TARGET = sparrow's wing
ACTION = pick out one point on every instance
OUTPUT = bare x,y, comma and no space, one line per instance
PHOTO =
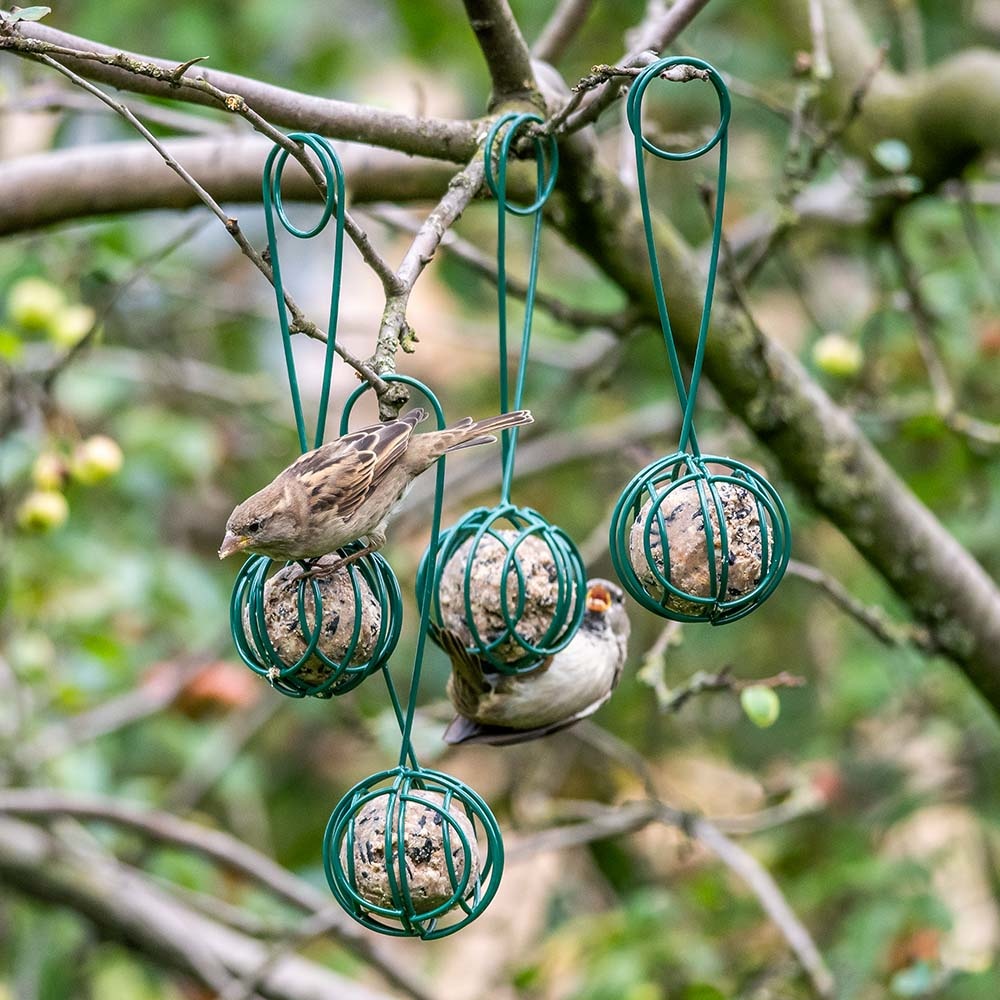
339,475
463,730
467,668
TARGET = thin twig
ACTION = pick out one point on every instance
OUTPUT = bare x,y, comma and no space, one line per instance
652,38
821,68
795,178
394,331
605,822
142,268
560,29
482,263
872,618
299,323
924,329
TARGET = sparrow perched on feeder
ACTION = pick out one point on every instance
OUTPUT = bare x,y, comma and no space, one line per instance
348,488
568,686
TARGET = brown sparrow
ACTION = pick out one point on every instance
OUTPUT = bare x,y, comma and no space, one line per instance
567,687
348,488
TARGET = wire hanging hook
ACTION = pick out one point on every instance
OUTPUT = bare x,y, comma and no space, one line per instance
546,170
333,174
687,394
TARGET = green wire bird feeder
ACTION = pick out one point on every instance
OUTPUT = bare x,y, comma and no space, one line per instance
508,583
309,633
695,537
412,852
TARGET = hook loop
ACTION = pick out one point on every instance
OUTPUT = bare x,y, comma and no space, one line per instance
546,159
686,393
333,174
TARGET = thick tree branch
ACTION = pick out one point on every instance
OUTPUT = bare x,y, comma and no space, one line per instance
434,137
85,181
504,49
820,448
219,847
126,905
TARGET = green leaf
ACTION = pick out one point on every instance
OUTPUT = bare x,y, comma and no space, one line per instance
761,705
30,13
893,155
703,991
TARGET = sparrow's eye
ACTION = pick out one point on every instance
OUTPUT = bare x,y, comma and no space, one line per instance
253,526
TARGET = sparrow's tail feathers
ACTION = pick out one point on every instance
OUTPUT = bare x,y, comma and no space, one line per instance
468,432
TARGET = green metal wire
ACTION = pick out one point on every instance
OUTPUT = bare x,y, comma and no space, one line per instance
333,174
546,152
383,800
369,575
509,650
391,792
652,493
656,485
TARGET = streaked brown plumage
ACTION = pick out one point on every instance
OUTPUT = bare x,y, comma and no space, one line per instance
570,685
348,488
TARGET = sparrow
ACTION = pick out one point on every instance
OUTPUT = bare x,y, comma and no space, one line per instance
567,687
349,488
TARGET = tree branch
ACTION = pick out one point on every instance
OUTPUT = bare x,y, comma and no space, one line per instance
219,847
615,821
504,48
127,905
434,137
821,449
560,29
85,181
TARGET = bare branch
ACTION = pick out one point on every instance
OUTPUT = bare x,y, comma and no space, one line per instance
129,906
434,137
925,331
560,29
219,847
394,331
504,49
604,822
83,181
874,619
652,38
299,323
485,264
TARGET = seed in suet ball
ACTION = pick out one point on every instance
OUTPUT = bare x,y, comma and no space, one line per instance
338,610
425,868
541,592
687,544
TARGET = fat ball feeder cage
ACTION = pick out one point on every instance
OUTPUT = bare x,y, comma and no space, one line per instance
508,583
695,537
413,852
311,634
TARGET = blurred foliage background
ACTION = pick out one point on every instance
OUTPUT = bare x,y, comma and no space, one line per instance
875,792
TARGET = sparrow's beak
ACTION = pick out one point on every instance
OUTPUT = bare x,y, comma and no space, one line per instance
233,543
598,600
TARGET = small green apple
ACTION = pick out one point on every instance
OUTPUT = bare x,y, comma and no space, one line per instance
761,704
837,355
42,510
97,458
34,303
71,324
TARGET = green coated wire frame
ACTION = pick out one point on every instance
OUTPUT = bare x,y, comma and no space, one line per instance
333,174
687,394
524,522
655,483
496,181
425,594
247,615
339,839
